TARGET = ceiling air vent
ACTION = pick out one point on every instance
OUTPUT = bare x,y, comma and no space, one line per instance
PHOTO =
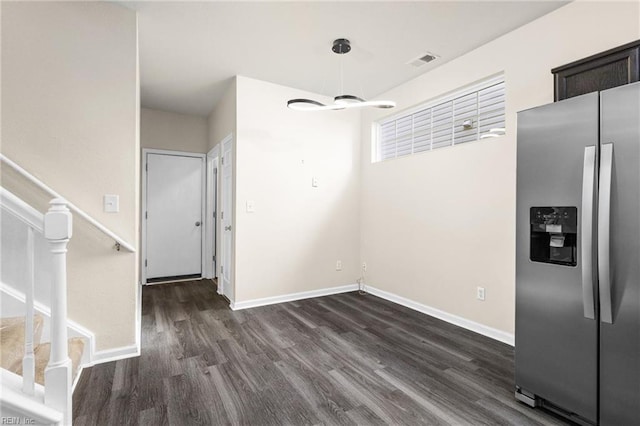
422,59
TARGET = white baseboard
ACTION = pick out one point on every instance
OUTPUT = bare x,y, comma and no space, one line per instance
493,333
115,354
236,306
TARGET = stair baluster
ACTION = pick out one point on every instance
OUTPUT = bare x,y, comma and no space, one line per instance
57,231
28,361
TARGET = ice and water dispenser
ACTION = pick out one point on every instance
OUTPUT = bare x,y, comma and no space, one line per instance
554,235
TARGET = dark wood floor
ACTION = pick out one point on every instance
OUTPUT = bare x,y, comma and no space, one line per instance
343,359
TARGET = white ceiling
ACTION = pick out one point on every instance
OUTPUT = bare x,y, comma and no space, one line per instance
189,51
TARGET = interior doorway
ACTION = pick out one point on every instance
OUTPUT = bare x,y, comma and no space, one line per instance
173,211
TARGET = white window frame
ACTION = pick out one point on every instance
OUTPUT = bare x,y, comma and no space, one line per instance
376,136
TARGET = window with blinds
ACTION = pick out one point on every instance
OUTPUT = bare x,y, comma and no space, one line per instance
464,117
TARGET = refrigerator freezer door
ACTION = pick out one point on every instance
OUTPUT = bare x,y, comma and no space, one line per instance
620,341
556,345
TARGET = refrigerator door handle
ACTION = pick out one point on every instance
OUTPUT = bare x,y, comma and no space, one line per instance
586,246
604,212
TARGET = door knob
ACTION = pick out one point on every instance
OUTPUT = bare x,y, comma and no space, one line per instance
198,223
227,228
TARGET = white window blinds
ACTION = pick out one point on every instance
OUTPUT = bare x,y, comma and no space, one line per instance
462,118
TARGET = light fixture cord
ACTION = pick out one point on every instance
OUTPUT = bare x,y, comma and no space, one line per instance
361,91
324,81
341,74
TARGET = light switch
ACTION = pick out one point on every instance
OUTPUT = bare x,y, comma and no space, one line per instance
251,206
314,182
111,203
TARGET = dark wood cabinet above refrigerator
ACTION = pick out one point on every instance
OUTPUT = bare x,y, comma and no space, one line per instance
602,71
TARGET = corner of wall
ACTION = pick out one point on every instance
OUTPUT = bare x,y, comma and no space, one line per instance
428,198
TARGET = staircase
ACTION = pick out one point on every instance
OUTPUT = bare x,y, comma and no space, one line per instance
12,338
39,363
43,392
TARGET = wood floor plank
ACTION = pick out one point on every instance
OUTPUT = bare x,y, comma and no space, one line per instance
293,311
343,359
363,416
315,377
248,404
363,397
327,409
154,416
96,389
449,410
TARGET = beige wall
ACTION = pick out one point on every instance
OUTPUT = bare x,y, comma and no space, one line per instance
70,100
172,131
222,120
222,123
436,225
297,233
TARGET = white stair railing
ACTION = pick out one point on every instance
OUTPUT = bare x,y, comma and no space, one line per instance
29,361
34,222
57,376
56,226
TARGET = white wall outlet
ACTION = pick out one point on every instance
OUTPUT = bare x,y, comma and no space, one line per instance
480,293
364,266
314,182
251,206
111,203
339,265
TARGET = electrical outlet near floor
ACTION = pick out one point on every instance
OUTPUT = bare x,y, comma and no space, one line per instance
364,266
480,293
339,265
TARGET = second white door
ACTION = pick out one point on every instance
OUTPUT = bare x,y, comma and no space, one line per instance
227,220
174,215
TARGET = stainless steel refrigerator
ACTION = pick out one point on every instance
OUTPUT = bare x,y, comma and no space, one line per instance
577,346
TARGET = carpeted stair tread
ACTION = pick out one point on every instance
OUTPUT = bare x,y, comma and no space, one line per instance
76,348
12,340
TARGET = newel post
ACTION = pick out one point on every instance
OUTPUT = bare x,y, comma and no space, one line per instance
57,231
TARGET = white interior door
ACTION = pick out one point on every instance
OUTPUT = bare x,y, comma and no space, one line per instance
210,270
174,215
227,220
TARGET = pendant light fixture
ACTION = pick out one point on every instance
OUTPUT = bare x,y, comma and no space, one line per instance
340,46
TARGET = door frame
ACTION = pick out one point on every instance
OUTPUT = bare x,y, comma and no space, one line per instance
211,225
143,221
226,141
